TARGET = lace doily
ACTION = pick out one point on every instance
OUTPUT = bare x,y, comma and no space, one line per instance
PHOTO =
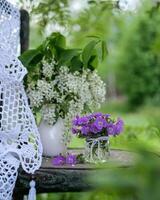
19,137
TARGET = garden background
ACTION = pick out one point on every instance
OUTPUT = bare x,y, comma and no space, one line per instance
131,72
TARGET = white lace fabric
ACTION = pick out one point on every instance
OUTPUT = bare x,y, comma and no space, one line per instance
8,174
19,138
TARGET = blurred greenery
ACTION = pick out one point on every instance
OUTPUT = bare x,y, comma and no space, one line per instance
137,183
138,58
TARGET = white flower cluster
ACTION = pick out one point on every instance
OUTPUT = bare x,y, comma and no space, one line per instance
47,68
46,89
75,108
61,93
49,113
97,88
35,97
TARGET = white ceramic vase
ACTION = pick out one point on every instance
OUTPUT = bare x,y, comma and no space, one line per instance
52,138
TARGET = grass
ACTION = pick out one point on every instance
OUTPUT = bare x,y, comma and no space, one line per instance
141,125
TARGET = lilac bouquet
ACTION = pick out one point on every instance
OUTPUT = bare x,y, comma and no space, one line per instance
96,125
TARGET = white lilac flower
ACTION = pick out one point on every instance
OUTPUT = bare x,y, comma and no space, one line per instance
48,68
75,107
49,113
84,89
35,97
97,87
46,89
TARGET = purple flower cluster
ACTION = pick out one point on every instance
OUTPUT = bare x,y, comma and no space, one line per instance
96,124
70,159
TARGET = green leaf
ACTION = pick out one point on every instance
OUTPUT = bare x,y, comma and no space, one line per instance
58,52
76,64
57,39
27,57
53,44
67,55
37,59
88,51
60,41
93,62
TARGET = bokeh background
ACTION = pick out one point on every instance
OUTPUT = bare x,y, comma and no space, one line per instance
131,72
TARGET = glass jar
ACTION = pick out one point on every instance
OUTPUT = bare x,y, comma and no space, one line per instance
97,149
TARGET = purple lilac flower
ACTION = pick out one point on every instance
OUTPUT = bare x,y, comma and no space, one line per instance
98,114
58,160
96,123
93,129
111,129
119,126
78,121
71,159
90,117
75,121
85,130
74,130
83,120
100,123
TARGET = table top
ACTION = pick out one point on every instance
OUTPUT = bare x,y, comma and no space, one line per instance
117,157
69,178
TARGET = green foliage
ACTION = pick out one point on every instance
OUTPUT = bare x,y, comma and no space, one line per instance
137,59
49,11
55,47
30,58
90,55
95,20
59,11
